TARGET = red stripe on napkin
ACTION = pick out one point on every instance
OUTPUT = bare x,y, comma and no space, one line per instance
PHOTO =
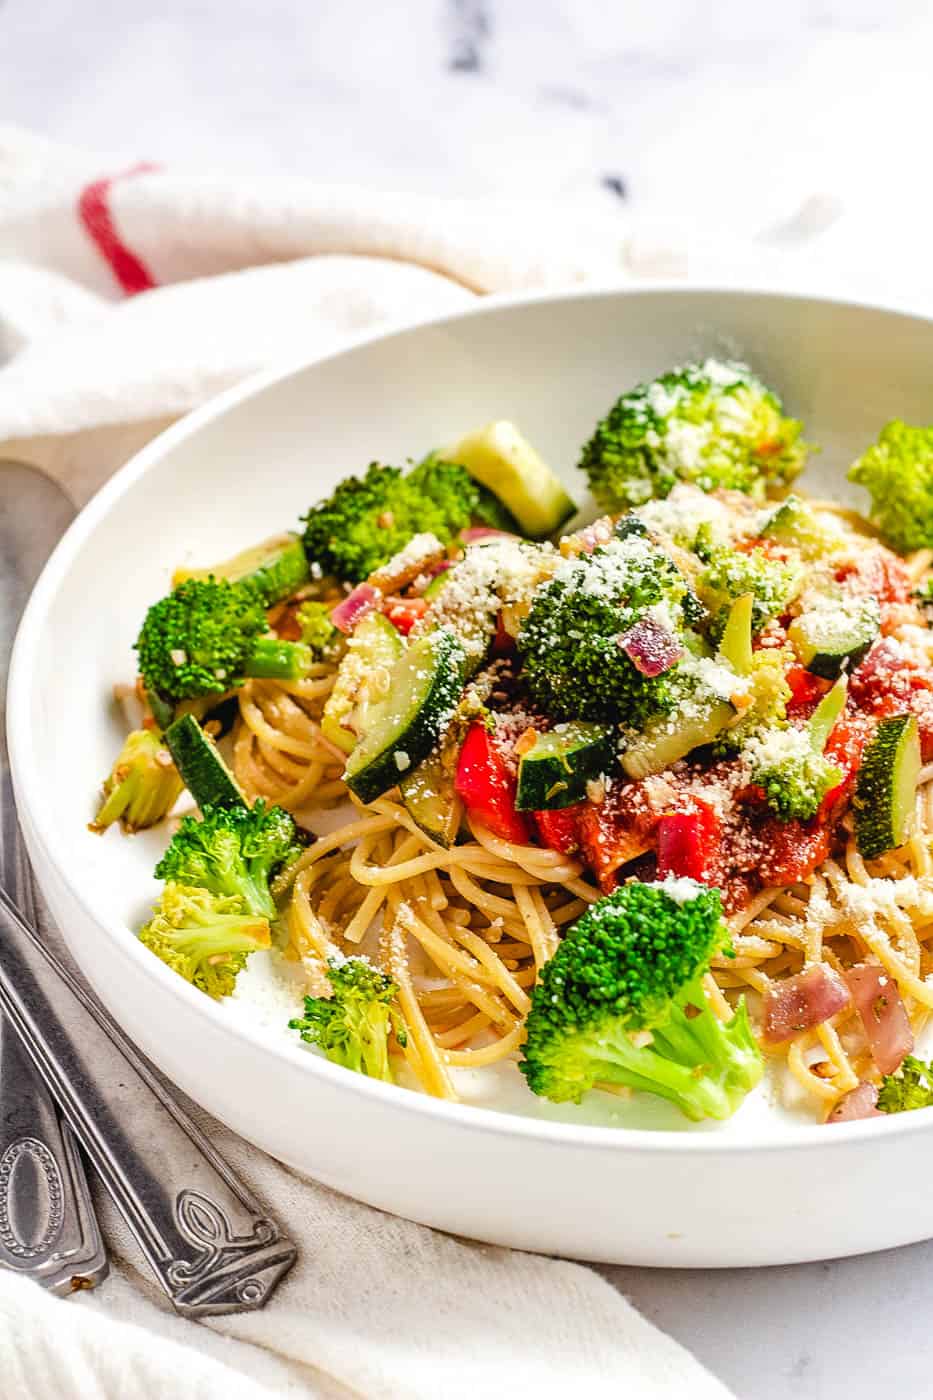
95,214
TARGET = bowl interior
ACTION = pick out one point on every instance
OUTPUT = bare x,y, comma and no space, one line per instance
251,464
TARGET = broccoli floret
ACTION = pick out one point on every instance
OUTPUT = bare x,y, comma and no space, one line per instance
318,632
143,785
572,641
353,1025
768,694
730,573
369,519
233,851
911,1086
789,763
794,778
437,477
206,636
622,1002
898,474
714,424
204,937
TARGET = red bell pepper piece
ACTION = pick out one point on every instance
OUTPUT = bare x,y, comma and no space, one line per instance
559,829
405,612
844,747
687,842
805,688
487,787
503,643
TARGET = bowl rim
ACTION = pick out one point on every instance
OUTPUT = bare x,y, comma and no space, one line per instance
391,1096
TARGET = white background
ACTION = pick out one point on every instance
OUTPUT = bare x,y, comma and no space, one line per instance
801,123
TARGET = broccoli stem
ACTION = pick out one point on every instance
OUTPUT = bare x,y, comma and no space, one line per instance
621,1062
272,659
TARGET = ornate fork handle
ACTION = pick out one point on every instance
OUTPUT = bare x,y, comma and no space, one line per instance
210,1244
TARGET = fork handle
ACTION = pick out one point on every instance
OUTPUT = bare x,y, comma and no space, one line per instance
48,1228
211,1246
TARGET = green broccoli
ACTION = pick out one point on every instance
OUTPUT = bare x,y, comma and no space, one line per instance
233,851
714,424
730,573
910,1086
789,764
622,1002
318,632
204,937
353,1025
206,636
369,519
142,786
898,475
573,640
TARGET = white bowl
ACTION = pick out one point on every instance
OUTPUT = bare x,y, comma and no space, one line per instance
763,1188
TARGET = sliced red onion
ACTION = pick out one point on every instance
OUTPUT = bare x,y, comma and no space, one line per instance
798,1003
882,1013
858,1103
651,649
484,534
354,607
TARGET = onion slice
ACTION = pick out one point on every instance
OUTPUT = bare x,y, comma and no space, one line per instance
353,608
484,534
858,1103
800,1002
651,648
882,1013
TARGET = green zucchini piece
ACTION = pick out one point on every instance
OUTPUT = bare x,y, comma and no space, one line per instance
430,797
277,568
794,523
830,638
887,786
735,644
556,771
671,737
501,459
362,679
401,730
202,768
437,585
163,711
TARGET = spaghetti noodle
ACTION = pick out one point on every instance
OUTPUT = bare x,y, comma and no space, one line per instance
464,931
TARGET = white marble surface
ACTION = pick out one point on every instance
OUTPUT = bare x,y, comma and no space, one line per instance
728,116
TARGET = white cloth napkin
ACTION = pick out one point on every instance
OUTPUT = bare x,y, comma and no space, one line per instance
121,305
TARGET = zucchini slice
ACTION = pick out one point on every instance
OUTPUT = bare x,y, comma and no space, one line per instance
362,679
887,786
402,729
794,523
829,638
431,799
556,771
499,458
671,737
437,585
277,568
202,768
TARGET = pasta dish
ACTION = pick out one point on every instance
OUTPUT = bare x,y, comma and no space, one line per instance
638,796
